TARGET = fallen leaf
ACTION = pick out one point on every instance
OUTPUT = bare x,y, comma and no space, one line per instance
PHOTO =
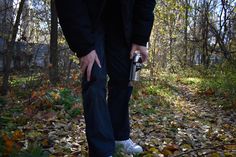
9,146
172,148
154,150
17,135
34,94
230,147
185,147
166,152
45,143
209,92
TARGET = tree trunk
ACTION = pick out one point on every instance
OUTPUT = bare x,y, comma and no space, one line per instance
54,55
194,47
205,33
186,31
170,44
10,50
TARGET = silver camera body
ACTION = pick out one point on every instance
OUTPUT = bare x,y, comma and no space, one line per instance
136,66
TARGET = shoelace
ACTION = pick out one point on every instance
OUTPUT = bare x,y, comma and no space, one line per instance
130,145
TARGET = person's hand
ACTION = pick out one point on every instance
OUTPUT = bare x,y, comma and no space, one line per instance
86,63
142,50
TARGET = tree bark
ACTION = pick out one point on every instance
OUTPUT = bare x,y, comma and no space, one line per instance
186,31
54,55
205,33
10,50
194,47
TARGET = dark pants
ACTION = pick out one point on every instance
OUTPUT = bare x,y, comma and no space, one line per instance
107,118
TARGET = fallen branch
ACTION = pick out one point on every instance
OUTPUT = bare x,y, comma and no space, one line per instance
197,149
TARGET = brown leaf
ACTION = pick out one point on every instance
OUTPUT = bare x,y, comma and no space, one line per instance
29,111
8,144
209,92
5,137
50,65
45,143
226,94
178,78
34,94
50,116
75,76
76,106
234,103
166,152
172,147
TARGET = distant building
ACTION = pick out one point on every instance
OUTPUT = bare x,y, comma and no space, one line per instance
30,54
214,58
26,54
197,58
31,48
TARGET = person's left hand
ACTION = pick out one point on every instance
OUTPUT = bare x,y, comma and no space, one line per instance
142,50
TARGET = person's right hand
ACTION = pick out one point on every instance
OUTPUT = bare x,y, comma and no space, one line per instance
86,63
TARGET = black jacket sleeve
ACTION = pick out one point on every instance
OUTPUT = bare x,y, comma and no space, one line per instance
142,21
76,25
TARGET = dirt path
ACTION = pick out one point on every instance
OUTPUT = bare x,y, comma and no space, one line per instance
188,123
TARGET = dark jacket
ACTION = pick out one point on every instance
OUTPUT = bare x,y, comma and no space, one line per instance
78,19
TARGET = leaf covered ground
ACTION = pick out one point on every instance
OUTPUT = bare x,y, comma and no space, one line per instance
170,116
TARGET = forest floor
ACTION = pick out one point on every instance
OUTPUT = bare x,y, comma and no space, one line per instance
172,116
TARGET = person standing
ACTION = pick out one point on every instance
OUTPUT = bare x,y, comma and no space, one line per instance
104,34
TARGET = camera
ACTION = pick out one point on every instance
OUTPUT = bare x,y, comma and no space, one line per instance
136,66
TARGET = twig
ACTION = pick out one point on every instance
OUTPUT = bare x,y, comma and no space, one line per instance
208,153
197,149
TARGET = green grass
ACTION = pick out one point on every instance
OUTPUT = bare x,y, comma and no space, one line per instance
66,98
195,81
162,90
17,80
23,85
146,96
221,82
219,79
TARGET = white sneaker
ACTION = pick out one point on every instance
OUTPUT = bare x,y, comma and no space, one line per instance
129,147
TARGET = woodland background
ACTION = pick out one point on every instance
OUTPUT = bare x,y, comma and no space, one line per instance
184,105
